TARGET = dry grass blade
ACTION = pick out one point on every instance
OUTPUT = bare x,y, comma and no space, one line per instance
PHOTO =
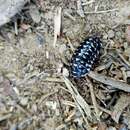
109,81
50,79
88,2
105,110
5,117
80,102
57,25
69,103
46,96
69,16
102,11
61,127
71,115
70,44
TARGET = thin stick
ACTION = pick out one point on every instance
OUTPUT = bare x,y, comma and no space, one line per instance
70,16
105,110
46,96
16,27
124,60
70,44
102,11
109,81
23,110
50,79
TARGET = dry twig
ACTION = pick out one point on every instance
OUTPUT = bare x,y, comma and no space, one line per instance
102,11
70,44
109,81
69,16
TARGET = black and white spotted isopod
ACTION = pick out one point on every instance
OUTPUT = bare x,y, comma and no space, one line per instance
85,56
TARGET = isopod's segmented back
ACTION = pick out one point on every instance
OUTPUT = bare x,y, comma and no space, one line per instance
85,56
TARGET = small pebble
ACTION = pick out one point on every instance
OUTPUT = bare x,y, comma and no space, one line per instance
34,108
25,123
103,25
59,67
51,104
105,36
111,34
123,127
24,101
128,77
13,127
127,51
40,39
65,72
125,45
62,48
118,34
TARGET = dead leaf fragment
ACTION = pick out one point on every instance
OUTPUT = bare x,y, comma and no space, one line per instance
35,14
101,126
121,104
8,88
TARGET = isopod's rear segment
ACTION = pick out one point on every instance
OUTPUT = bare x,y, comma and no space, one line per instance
85,56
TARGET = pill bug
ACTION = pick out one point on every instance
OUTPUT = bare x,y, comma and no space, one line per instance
85,56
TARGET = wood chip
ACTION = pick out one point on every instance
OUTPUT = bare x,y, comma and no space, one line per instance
121,104
110,81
